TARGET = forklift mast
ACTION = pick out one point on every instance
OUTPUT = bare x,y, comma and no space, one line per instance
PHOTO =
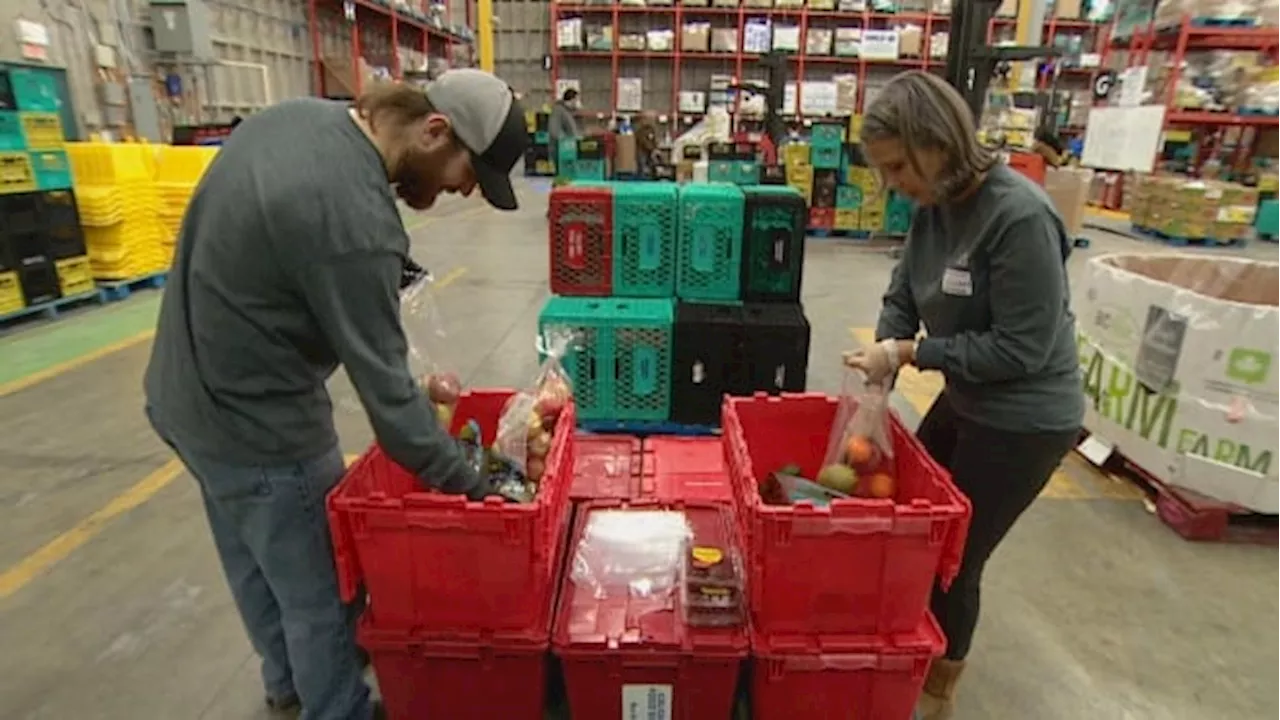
970,61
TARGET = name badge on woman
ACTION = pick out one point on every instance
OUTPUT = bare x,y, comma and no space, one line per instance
957,281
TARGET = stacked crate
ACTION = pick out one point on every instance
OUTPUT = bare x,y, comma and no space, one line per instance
538,158
42,249
679,294
120,209
733,163
178,171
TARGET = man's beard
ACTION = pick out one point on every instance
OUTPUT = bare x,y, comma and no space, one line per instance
411,186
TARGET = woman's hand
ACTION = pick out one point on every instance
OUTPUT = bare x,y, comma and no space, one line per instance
882,360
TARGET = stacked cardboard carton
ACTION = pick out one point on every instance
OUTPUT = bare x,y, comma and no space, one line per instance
1192,209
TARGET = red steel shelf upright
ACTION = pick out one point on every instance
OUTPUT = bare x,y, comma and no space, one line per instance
928,21
403,31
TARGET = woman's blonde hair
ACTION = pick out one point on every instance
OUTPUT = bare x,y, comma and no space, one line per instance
920,110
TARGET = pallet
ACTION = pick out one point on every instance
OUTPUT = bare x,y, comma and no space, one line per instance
1191,515
1223,22
117,290
1258,112
1177,241
50,310
642,428
849,234
1267,238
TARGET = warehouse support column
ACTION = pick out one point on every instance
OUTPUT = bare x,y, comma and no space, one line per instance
484,33
1030,33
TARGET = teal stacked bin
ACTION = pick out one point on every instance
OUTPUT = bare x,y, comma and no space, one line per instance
645,226
722,171
710,242
566,156
897,214
827,146
621,364
773,252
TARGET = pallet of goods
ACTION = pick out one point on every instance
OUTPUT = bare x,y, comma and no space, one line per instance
1178,355
1185,211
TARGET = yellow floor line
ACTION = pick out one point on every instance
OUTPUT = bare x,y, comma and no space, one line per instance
23,383
57,549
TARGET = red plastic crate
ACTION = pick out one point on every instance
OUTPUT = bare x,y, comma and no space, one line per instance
843,676
822,218
686,468
581,228
437,563
606,467
863,566
620,661
460,680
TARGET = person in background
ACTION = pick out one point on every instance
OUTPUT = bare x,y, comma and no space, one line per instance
563,123
1051,147
647,142
983,269
290,261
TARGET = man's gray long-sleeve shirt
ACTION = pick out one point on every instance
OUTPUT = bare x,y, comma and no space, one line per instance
987,278
288,263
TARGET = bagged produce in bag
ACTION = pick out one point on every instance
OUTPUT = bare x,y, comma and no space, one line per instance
859,459
529,418
631,552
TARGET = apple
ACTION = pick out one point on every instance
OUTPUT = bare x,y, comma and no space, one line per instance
840,478
535,468
539,446
444,388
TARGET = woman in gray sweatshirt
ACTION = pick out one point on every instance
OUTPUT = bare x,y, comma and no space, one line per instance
984,272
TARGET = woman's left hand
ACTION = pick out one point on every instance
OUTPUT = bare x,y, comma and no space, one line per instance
876,361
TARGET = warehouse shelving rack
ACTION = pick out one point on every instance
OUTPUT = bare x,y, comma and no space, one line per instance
404,30
1191,34
739,62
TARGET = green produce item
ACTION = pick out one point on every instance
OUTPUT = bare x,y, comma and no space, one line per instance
789,469
838,477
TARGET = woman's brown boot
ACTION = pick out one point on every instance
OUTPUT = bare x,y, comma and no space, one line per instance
939,689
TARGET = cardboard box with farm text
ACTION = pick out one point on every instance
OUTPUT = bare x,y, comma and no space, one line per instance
1179,354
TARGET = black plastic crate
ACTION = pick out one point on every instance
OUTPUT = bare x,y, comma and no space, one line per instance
824,188
722,151
773,175
590,149
27,249
707,361
773,251
541,121
20,213
39,282
776,346
664,172
60,223
853,155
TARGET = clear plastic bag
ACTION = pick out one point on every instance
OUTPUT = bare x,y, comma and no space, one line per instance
529,419
859,457
639,553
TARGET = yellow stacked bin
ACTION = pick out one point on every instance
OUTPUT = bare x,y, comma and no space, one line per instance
178,171
119,208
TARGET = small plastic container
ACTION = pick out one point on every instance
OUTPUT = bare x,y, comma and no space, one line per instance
692,469
620,661
836,676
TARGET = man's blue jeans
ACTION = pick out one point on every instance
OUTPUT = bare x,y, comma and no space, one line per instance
272,535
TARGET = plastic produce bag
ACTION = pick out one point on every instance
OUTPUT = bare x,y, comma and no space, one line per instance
632,552
529,419
859,458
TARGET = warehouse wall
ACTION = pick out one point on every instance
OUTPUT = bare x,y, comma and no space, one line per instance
262,53
521,38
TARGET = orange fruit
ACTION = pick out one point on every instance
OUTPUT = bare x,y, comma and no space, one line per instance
859,450
881,485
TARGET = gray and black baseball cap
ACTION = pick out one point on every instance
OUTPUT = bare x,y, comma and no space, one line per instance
489,121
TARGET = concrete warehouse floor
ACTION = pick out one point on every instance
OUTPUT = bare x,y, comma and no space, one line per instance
112,603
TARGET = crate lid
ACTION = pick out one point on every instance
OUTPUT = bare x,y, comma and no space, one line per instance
774,315
591,625
708,313
925,638
606,466
686,468
475,645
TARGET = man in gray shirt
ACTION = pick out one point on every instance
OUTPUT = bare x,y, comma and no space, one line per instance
289,263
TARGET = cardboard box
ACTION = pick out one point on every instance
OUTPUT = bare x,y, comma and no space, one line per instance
684,171
1179,354
1068,188
624,154
1067,9
910,41
696,37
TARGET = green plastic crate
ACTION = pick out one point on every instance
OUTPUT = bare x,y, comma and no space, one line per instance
52,169
1268,219
581,169
34,90
826,157
645,225
722,171
541,138
848,197
748,173
710,242
621,368
827,134
773,256
11,135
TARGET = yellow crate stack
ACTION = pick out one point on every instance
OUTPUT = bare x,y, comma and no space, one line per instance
178,171
119,208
